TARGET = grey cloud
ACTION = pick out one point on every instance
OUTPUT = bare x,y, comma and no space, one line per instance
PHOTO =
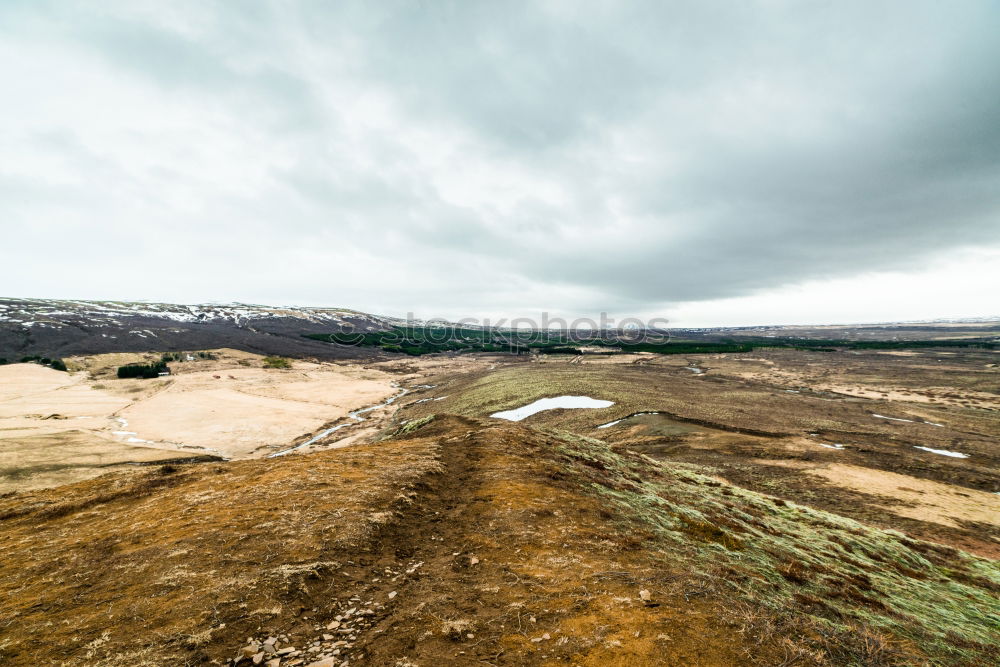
696,150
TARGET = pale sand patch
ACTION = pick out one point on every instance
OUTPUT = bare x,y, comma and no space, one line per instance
938,395
56,428
935,502
43,459
253,411
30,389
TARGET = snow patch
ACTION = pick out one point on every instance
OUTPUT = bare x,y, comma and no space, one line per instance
563,402
943,452
895,419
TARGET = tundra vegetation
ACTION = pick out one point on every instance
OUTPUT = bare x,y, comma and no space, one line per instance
416,341
764,507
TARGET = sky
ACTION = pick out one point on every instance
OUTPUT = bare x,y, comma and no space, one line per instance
711,163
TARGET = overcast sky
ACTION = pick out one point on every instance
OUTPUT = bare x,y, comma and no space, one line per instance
715,163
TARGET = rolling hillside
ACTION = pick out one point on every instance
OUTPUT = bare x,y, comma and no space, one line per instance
458,541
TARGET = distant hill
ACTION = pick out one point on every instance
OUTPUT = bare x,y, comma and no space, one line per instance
58,328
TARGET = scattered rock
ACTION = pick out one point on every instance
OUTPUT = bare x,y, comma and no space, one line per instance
325,662
645,595
455,629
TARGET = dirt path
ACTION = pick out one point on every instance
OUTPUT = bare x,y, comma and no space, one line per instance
494,567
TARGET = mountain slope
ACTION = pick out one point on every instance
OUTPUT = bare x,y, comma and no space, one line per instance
458,541
57,328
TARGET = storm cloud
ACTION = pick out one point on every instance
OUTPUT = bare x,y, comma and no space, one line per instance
462,158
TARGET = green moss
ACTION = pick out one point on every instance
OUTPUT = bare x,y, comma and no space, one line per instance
411,426
795,559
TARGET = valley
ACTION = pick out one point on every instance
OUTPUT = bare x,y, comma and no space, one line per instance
796,506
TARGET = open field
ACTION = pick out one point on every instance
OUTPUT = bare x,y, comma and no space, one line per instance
775,422
765,508
60,427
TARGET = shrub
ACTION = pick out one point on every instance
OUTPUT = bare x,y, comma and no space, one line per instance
56,363
277,362
142,370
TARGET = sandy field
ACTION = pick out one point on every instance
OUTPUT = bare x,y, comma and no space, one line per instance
922,499
55,428
60,427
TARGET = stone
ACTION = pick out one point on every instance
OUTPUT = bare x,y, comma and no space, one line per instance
325,662
645,595
258,658
392,595
275,662
333,625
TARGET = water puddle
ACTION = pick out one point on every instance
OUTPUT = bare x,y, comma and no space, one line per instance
564,402
912,421
895,419
658,424
619,421
428,400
